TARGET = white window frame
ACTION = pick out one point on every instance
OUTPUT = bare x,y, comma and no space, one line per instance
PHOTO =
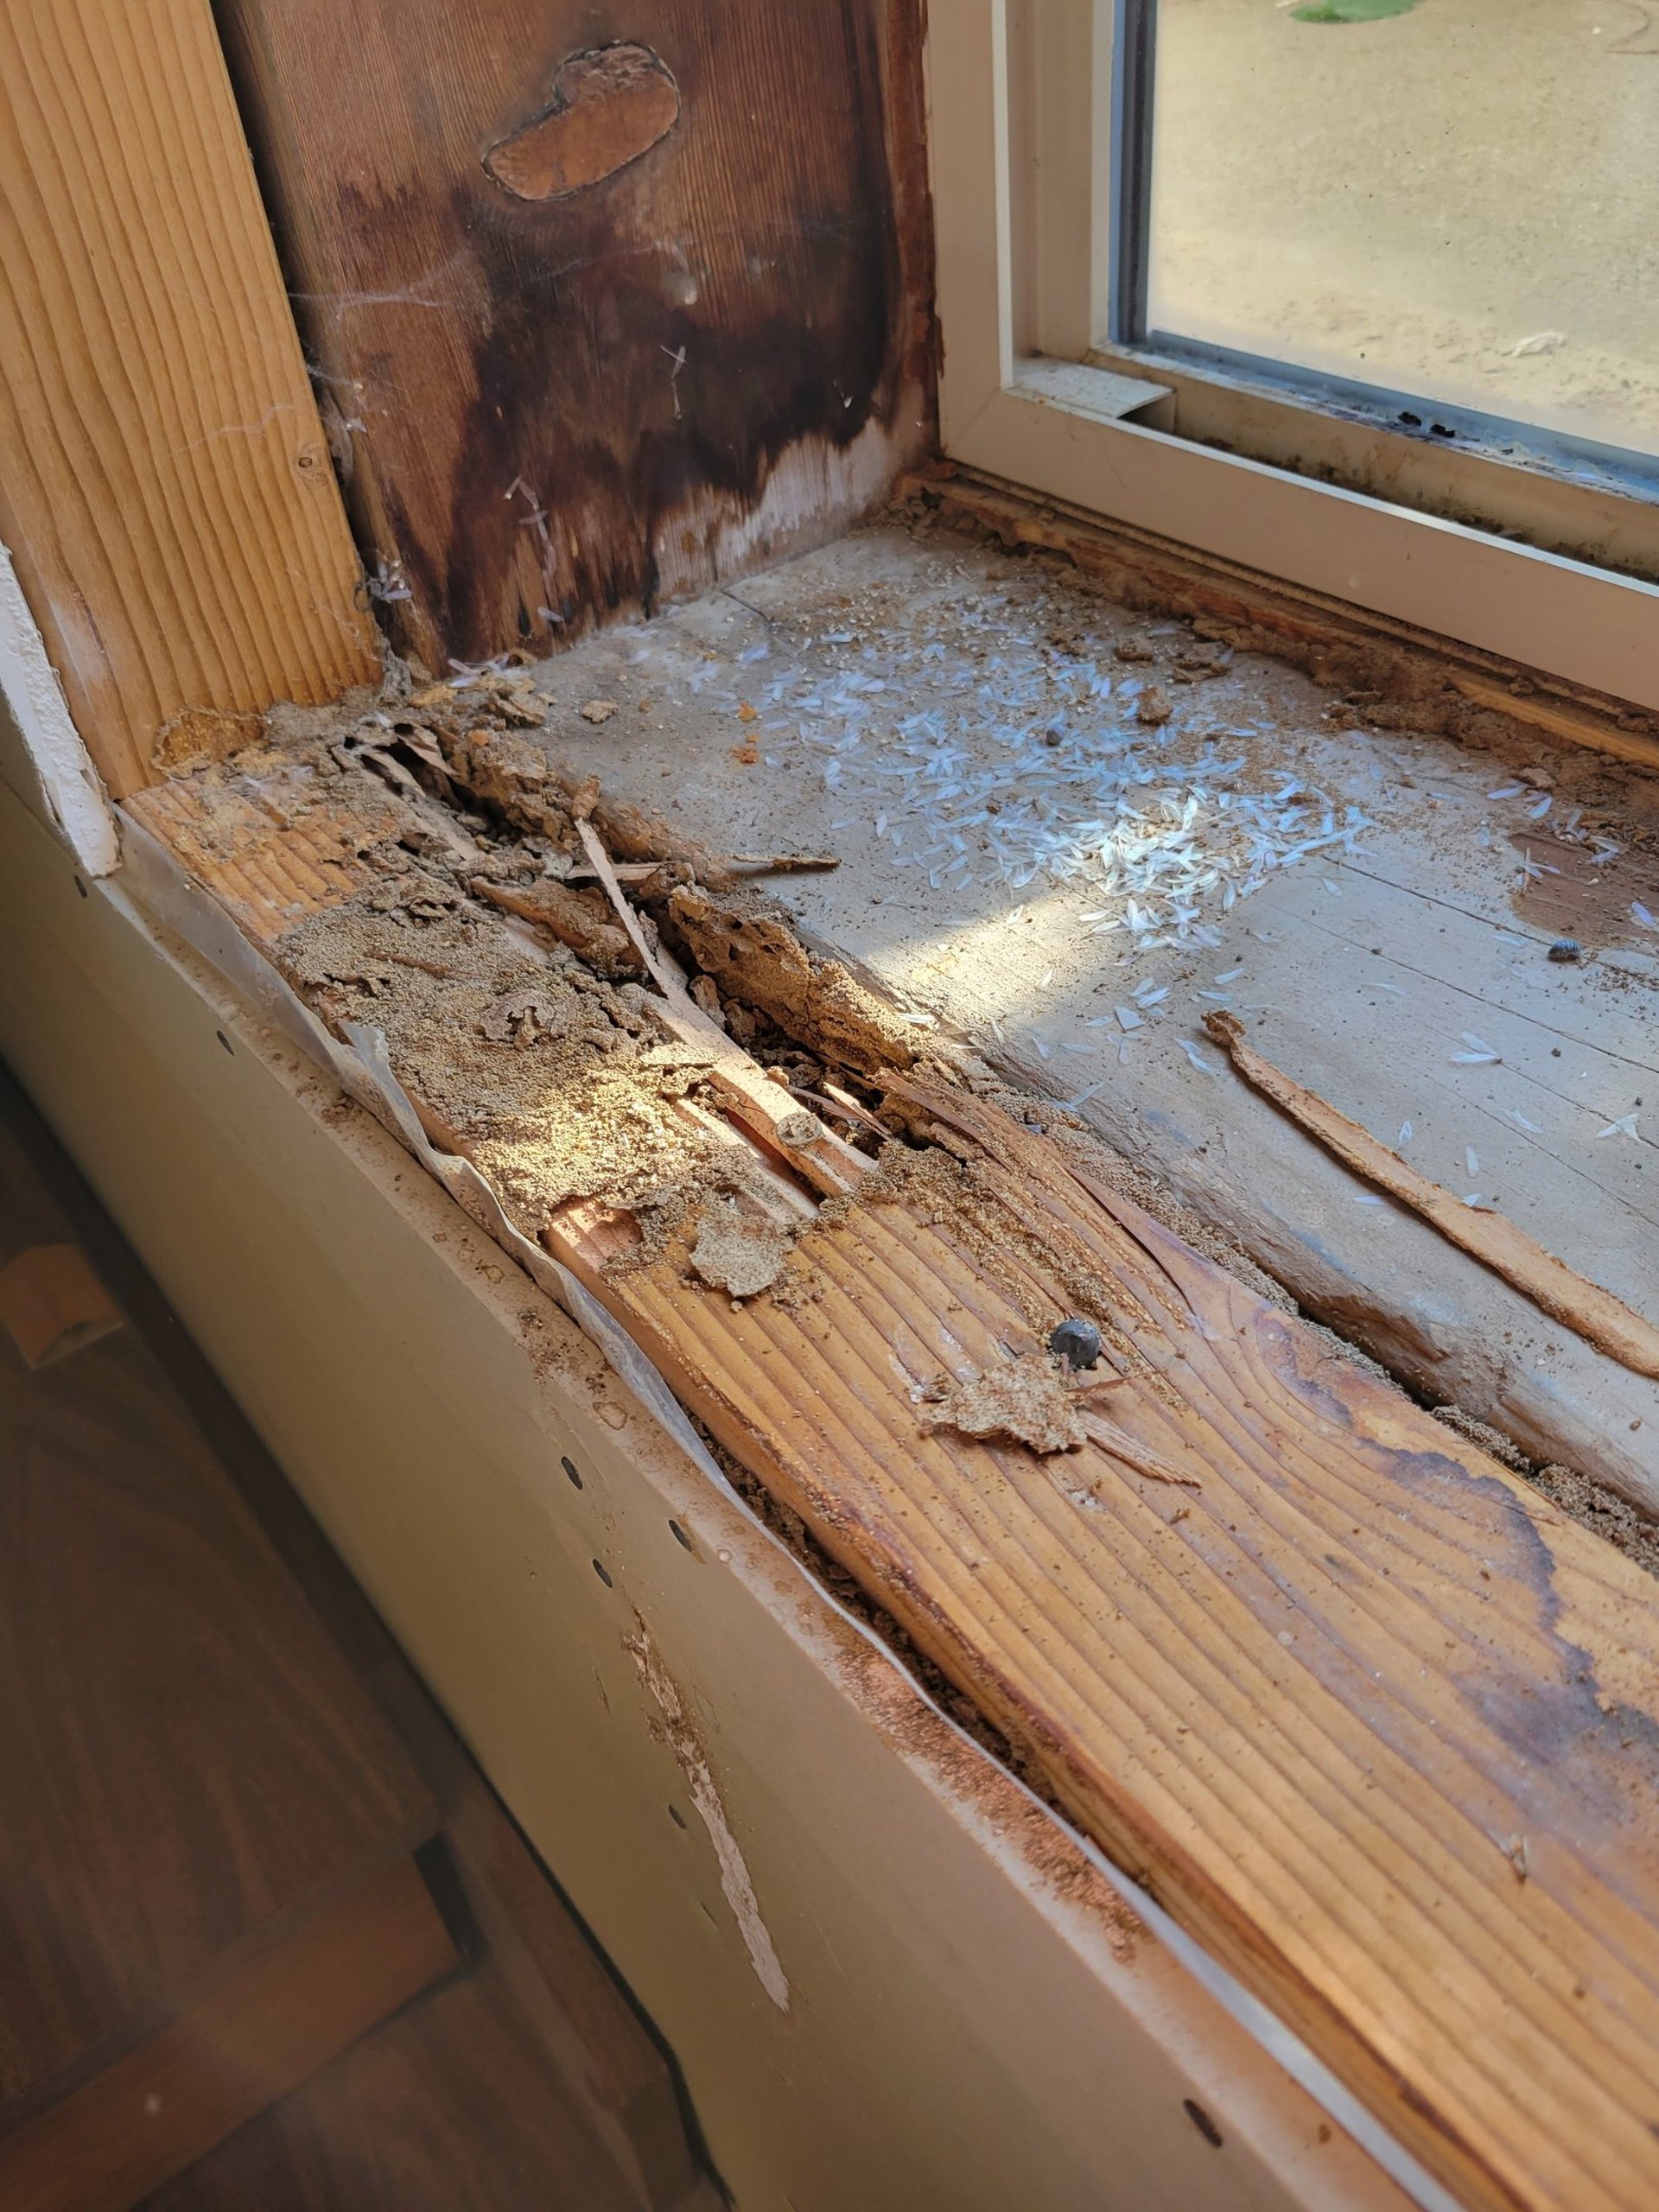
1026,239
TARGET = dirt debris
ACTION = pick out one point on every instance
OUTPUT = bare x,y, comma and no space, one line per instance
576,920
1593,1506
1076,1141
530,1015
1483,1433
737,1251
1026,1401
758,960
1155,705
1381,682
538,1069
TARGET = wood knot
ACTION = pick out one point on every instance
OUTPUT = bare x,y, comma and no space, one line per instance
608,106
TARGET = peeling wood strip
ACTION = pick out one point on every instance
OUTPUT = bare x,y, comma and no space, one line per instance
1556,1289
599,861
832,1165
684,1739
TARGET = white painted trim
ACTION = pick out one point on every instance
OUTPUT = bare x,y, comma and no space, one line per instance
68,785
1060,78
1543,610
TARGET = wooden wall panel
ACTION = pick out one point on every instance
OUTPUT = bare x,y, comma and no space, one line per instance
164,485
711,341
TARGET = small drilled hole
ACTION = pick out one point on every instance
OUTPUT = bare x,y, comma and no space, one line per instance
81,887
676,1816
569,1470
1202,2121
603,1572
224,1041
680,1537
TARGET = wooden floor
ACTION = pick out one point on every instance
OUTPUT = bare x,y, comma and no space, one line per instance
449,2107
788,713
196,1777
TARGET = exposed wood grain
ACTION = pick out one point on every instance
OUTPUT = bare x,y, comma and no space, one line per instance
186,1757
164,484
269,853
1051,2053
1372,966
449,2107
1327,1705
594,335
1369,1716
267,2029
829,1165
1557,1289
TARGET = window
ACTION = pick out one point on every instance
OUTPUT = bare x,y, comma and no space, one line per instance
1447,198
1302,307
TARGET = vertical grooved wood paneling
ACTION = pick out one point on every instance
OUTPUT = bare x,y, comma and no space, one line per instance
165,486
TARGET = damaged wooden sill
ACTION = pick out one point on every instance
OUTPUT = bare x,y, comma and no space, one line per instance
950,717
1369,1716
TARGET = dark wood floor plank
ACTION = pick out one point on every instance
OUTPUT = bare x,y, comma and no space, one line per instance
184,1754
265,2029
450,2108
579,2037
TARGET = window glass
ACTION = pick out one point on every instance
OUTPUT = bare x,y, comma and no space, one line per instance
1455,199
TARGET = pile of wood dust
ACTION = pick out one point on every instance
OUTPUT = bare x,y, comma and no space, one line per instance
1025,1403
557,1085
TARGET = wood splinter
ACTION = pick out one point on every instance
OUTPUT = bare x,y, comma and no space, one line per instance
827,1161
1556,1289
567,917
641,872
1137,1455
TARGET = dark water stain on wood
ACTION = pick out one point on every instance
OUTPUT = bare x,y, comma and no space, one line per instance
1589,901
1564,1757
716,349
